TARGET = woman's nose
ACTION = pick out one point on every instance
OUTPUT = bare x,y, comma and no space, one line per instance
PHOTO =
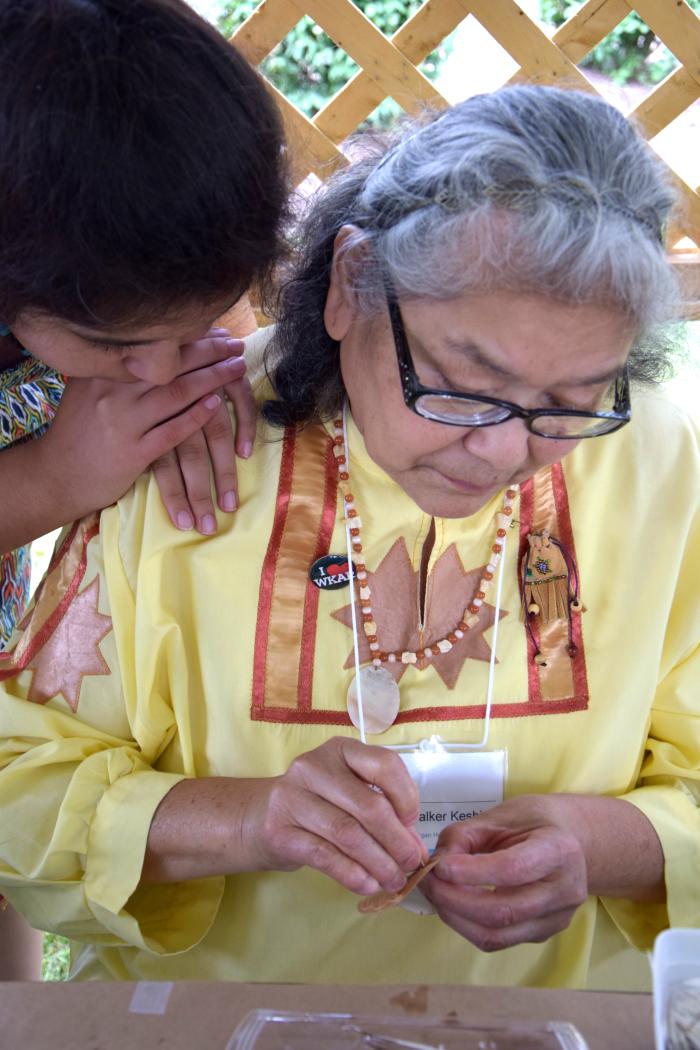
503,446
157,363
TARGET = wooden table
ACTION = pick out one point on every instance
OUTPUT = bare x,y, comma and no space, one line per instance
97,1016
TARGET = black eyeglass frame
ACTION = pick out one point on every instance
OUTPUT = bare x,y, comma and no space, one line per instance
413,389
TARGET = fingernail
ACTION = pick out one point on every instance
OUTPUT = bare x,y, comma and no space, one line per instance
235,362
246,449
219,331
213,401
235,344
228,501
184,520
369,885
208,525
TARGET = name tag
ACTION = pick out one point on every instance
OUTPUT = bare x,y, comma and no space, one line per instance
455,783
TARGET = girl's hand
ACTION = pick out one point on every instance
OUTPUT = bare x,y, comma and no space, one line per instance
183,472
106,433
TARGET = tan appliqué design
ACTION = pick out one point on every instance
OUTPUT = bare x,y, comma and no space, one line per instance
72,651
450,588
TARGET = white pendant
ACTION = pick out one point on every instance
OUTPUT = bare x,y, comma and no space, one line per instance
380,699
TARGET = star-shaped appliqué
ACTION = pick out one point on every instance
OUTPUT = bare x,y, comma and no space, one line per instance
72,651
450,589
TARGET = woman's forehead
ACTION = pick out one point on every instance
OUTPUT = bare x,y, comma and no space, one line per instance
516,336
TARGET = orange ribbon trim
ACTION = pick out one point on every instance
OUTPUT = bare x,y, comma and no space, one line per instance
285,636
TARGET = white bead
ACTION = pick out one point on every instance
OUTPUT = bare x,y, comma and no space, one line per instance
392,658
428,654
478,602
491,567
471,619
361,575
374,646
365,593
444,646
458,633
376,663
408,658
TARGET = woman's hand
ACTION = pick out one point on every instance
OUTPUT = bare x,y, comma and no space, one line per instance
183,472
345,809
518,872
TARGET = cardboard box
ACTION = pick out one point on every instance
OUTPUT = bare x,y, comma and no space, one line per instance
145,1016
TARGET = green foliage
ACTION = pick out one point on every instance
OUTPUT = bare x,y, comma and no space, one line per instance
630,52
307,66
56,959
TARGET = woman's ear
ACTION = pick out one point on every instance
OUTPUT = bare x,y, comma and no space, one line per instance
340,309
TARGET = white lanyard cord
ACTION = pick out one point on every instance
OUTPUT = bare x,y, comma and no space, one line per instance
356,639
353,596
492,662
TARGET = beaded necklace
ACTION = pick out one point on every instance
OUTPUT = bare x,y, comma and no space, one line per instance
377,705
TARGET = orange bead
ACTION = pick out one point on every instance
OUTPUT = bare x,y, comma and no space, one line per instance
510,493
340,459
343,476
338,441
452,638
371,637
348,497
474,609
420,653
354,532
357,547
383,657
488,575
497,548
462,626
360,567
435,650
480,594
507,510
501,532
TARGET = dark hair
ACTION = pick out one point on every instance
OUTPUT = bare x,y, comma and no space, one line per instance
141,161
553,192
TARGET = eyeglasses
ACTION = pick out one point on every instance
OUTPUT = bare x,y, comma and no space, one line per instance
474,410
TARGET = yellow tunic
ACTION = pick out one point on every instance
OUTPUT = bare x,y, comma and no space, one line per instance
153,655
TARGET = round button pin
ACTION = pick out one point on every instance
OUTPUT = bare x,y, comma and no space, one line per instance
330,572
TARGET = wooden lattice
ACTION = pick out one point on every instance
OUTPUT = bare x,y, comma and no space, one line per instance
388,67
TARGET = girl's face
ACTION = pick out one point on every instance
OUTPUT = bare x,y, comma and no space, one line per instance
529,350
126,353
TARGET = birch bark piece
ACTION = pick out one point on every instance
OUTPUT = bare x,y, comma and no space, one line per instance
383,899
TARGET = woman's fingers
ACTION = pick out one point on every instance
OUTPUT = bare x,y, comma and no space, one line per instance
166,471
342,836
304,848
374,789
490,939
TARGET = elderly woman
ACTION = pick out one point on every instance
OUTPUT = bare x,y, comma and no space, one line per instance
466,547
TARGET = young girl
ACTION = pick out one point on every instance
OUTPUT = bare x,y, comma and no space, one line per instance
142,185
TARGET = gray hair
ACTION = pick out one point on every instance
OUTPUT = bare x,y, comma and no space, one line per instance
530,189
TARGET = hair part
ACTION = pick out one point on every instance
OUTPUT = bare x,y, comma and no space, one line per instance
529,189
141,163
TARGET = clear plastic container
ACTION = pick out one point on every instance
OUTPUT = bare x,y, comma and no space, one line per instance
676,960
282,1030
